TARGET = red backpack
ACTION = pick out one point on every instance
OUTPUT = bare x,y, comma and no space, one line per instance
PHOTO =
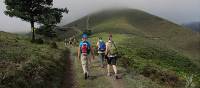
85,48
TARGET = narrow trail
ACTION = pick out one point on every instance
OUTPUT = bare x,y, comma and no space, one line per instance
118,83
98,75
68,81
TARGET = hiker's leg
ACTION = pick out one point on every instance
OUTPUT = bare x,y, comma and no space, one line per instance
108,65
113,62
101,58
115,69
84,63
108,68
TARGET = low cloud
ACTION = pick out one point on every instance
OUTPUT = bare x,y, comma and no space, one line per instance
178,11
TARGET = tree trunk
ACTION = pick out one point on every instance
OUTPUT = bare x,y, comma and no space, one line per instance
33,31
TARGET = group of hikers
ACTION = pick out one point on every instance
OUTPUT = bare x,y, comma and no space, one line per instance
72,41
107,53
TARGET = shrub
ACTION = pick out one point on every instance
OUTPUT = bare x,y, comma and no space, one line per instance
39,41
53,45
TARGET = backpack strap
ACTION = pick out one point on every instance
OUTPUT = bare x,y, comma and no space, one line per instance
115,46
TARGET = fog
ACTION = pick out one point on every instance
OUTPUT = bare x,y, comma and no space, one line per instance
177,11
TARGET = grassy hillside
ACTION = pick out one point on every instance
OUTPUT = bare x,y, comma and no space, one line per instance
150,46
145,25
27,65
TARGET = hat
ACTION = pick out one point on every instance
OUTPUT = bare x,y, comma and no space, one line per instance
84,36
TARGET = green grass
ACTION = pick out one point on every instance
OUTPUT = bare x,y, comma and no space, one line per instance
169,67
160,50
27,65
139,53
135,22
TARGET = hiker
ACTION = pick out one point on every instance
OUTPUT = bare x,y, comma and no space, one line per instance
111,53
101,50
84,50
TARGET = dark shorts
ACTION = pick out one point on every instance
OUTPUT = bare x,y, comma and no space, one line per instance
111,60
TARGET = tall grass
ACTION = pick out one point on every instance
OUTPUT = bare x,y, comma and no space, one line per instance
27,65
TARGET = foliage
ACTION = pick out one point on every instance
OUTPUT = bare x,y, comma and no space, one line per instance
47,31
32,11
151,60
53,45
29,65
88,32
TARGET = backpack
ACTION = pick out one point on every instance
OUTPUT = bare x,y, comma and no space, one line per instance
85,48
102,46
112,48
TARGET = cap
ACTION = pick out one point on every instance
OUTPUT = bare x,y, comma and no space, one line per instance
84,36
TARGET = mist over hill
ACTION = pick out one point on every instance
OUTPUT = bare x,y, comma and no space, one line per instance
137,22
195,26
177,11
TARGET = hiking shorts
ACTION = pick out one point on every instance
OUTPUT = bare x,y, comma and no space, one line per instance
111,60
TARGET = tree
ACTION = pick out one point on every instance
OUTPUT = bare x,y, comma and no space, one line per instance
32,11
49,19
46,31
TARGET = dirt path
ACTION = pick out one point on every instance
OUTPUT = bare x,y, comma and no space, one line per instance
115,83
68,81
98,79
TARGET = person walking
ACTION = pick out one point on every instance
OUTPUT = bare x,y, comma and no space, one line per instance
84,50
101,50
111,53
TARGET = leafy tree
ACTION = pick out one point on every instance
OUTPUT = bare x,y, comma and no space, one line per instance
47,31
49,21
33,11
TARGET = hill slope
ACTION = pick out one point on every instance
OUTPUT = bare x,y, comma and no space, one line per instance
135,22
150,46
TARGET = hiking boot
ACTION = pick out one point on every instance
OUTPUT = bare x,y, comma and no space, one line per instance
115,77
86,76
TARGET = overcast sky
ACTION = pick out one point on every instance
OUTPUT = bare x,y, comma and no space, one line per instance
178,11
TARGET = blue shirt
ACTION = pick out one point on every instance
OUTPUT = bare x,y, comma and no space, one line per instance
81,43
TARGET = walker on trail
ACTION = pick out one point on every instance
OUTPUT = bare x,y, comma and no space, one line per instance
101,51
84,50
111,53
71,42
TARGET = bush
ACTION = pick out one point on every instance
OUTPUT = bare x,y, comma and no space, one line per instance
88,32
167,58
43,69
148,60
165,77
39,41
53,45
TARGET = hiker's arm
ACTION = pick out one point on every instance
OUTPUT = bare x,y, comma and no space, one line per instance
78,53
106,52
92,52
97,44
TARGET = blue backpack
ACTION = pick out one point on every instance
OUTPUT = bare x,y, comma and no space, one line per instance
102,46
